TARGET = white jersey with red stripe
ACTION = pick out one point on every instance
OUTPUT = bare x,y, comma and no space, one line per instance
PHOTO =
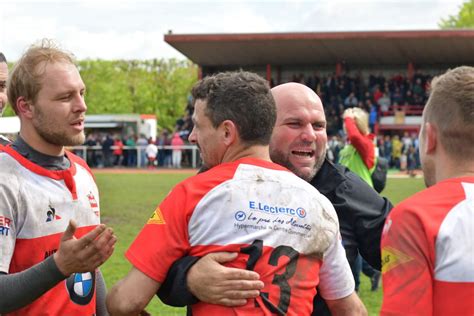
428,252
36,205
280,225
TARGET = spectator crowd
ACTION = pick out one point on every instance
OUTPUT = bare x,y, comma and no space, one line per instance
376,94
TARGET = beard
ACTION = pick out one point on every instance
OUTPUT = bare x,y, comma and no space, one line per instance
283,159
51,132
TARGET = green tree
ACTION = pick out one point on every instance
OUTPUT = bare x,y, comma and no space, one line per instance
155,86
464,18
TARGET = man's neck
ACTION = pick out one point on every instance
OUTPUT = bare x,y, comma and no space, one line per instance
41,159
35,141
453,169
254,151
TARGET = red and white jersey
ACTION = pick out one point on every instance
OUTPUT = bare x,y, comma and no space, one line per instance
36,205
428,252
280,225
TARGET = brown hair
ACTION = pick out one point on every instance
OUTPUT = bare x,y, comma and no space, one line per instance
242,97
450,107
26,76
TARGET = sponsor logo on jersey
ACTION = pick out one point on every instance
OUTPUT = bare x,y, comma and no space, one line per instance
4,225
81,287
277,210
392,258
156,218
93,203
49,253
240,216
51,214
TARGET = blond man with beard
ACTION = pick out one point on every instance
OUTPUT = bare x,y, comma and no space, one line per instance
51,239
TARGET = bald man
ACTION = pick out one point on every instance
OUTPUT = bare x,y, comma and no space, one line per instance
299,143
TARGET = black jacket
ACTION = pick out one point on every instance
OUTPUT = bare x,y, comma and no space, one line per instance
360,209
361,212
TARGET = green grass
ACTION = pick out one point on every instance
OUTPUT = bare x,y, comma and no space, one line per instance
128,200
396,191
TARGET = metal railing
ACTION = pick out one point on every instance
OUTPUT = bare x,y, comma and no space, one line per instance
83,149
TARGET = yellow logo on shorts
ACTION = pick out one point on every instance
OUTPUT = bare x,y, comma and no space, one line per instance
392,257
156,217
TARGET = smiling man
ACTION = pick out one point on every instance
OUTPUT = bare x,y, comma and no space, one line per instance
51,240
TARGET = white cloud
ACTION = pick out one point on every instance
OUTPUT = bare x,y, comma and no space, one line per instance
134,28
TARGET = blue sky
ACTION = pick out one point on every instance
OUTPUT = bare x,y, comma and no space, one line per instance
134,29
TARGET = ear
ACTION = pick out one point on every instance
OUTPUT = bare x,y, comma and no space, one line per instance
24,107
229,132
431,138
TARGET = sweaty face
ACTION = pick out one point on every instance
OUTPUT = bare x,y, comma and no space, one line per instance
58,113
205,136
299,138
3,86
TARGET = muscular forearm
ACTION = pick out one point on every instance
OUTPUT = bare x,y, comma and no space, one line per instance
20,289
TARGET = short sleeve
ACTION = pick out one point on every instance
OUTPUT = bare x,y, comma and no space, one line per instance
164,238
335,277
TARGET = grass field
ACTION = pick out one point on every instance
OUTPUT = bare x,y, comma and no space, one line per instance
128,200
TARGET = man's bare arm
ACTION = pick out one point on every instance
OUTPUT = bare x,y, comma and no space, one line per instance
132,294
348,306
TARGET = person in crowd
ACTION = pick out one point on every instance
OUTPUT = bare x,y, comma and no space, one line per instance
427,248
281,226
373,117
384,103
167,160
359,155
131,151
52,242
142,143
351,100
160,143
118,151
411,161
301,125
177,143
387,149
3,91
396,151
151,152
91,142
107,150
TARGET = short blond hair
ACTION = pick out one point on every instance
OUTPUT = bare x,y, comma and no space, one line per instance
26,76
450,107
